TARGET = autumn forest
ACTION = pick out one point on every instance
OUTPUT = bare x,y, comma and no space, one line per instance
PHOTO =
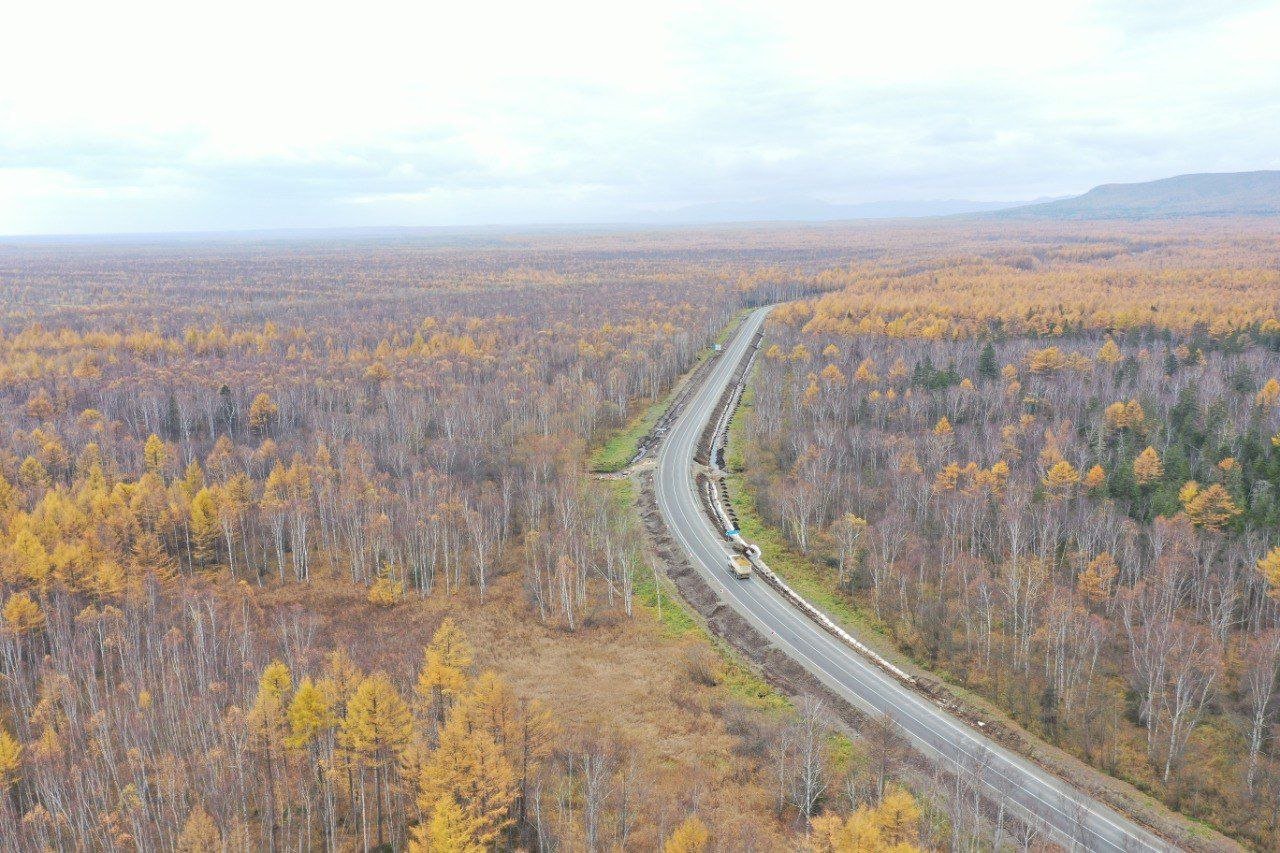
307,544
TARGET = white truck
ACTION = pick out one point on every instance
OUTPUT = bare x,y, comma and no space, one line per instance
740,566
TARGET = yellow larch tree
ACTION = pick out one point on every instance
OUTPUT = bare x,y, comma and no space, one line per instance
29,557
199,833
1147,467
108,582
525,731
386,591
268,723
690,837
376,731
310,713
832,375
192,480
899,818
812,391
447,830
1211,508
832,834
1061,477
1095,477
1269,566
261,413
1269,395
341,676
1130,415
469,766
1094,583
148,557
8,497
10,759
1047,360
892,827
204,526
946,478
155,456
1135,417
444,670
22,613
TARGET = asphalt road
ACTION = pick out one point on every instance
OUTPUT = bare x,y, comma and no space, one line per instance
1066,815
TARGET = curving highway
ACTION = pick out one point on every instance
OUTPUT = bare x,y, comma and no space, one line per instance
1065,814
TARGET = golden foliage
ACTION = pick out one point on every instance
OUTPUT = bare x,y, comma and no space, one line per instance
385,591
892,827
10,759
22,613
1094,583
691,836
1095,477
1269,394
262,411
444,669
448,830
469,767
1128,415
1269,566
1061,477
199,833
1147,467
1047,360
377,727
310,712
1109,353
1212,507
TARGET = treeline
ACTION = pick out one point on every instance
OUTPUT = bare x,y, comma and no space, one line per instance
1056,483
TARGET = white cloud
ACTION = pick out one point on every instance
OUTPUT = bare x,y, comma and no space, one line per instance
160,115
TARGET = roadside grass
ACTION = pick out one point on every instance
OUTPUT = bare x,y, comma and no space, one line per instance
620,448
615,453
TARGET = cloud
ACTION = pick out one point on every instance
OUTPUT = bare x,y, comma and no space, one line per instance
161,116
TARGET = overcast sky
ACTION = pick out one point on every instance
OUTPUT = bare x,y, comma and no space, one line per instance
124,116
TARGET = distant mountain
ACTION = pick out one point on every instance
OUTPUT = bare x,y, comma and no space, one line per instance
1223,194
809,210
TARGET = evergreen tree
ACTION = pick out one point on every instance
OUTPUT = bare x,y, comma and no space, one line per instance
987,366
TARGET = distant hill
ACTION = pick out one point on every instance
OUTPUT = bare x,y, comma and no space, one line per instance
1209,194
811,210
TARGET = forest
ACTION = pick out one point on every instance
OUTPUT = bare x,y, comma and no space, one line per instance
299,550
1047,465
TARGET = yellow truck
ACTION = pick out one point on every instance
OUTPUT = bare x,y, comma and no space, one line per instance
740,566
